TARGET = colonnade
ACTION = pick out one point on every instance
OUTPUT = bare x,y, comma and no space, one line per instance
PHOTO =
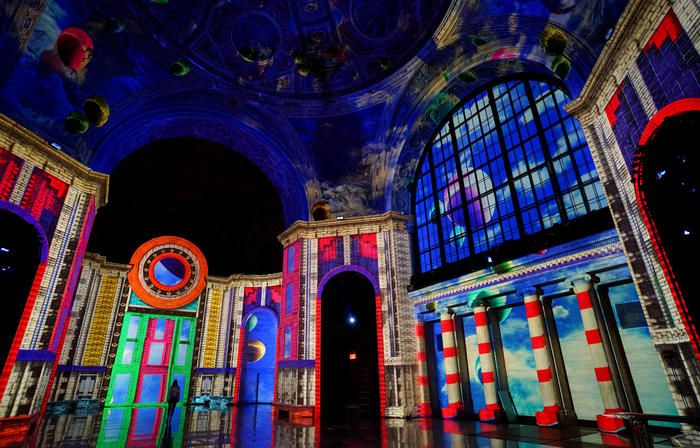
549,389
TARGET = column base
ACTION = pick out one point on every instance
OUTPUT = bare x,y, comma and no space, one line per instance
609,423
549,416
492,413
424,410
454,410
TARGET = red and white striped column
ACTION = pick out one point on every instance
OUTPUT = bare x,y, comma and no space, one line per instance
549,416
454,386
583,287
493,410
424,409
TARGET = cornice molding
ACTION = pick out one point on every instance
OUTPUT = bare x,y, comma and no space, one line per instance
243,280
348,226
609,59
469,283
38,152
99,262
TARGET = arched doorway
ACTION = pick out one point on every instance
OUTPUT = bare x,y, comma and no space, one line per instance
257,377
20,256
349,362
668,188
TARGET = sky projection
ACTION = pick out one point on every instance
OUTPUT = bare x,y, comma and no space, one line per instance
641,356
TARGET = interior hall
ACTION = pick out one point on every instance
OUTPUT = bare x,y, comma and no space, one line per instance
349,223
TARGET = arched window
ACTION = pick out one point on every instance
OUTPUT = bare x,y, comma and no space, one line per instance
508,163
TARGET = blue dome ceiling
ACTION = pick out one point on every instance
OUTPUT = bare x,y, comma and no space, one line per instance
293,48
328,97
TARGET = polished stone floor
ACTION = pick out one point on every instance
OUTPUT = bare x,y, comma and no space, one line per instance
255,426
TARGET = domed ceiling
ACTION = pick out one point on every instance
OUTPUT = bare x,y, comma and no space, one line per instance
322,95
294,48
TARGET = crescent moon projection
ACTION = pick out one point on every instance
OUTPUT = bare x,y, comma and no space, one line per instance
254,351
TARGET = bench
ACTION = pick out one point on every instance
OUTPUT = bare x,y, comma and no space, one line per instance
637,423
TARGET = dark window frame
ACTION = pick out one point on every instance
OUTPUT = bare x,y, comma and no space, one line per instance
435,254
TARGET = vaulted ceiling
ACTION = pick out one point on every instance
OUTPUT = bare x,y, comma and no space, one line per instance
331,99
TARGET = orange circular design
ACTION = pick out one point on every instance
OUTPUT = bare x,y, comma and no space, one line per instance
154,293
178,285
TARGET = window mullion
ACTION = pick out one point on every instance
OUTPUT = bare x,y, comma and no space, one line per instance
547,157
460,181
570,153
506,163
438,215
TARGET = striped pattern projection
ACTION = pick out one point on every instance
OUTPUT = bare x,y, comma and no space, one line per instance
380,355
449,344
95,345
424,409
212,334
543,361
583,289
493,409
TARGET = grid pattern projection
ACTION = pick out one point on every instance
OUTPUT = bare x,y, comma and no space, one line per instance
212,333
99,326
509,162
670,64
627,119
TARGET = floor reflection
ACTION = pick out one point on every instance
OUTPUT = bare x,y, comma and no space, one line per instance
256,426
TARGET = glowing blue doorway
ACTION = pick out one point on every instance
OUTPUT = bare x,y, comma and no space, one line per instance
259,356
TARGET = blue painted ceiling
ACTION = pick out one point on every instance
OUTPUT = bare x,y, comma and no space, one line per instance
317,93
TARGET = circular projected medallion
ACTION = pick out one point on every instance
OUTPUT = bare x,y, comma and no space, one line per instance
168,272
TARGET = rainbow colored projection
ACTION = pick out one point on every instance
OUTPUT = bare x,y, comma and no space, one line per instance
444,144
141,426
153,351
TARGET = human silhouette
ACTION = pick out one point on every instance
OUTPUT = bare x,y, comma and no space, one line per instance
173,398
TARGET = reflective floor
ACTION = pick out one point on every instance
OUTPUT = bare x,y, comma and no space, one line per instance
255,426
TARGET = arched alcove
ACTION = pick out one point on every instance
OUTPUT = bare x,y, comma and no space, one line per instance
21,248
349,361
257,377
667,180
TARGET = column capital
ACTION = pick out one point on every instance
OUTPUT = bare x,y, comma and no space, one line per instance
581,283
531,291
480,304
446,313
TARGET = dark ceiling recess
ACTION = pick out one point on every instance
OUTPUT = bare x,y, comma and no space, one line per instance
197,190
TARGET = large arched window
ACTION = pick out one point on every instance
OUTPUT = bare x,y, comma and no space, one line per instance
508,163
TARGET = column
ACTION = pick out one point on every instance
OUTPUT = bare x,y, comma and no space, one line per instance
424,409
583,287
549,416
493,410
449,346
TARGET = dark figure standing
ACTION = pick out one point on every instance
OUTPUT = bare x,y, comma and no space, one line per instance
173,398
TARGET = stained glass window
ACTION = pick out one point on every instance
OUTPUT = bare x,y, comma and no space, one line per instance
509,162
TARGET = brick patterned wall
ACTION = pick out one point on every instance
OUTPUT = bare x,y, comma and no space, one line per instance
627,118
653,51
670,64
10,167
60,196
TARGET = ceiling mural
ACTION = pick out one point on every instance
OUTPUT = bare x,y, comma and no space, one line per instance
297,48
341,94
